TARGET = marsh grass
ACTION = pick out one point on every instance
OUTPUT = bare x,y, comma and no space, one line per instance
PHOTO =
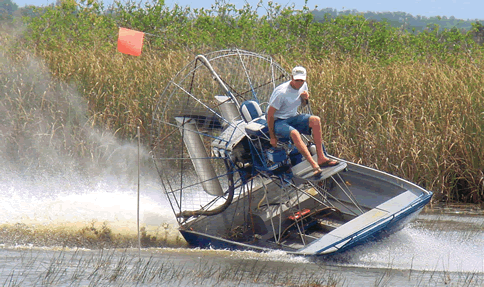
110,267
159,267
412,107
421,122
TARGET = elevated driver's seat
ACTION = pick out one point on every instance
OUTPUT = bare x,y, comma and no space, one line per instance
255,119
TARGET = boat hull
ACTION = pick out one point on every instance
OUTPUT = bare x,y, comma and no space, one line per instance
377,231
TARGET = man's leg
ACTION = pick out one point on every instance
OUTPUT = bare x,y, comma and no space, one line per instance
315,125
303,149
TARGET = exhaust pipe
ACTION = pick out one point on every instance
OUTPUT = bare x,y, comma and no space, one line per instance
198,154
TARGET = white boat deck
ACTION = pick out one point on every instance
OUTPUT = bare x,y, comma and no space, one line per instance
378,213
305,171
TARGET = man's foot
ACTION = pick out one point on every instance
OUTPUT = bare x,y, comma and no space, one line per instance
328,163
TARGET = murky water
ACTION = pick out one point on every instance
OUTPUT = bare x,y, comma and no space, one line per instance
429,252
445,248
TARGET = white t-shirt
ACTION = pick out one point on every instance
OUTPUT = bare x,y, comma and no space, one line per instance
285,99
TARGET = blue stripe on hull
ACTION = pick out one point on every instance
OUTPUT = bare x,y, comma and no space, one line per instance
392,226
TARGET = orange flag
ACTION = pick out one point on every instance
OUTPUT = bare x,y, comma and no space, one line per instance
130,41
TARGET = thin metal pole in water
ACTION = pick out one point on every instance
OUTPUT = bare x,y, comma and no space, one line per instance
137,217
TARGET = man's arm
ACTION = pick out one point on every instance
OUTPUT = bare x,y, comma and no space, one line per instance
270,125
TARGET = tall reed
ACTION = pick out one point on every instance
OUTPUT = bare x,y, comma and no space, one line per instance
423,122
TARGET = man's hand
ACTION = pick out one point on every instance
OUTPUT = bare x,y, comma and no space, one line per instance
305,95
304,98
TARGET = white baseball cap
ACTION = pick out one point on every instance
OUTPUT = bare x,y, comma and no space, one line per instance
299,73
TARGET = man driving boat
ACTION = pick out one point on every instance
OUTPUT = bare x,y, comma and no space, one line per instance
284,121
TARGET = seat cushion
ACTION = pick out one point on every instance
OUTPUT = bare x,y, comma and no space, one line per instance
257,127
250,110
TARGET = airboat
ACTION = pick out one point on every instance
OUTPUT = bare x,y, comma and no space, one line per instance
230,189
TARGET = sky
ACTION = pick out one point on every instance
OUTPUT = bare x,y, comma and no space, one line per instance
461,9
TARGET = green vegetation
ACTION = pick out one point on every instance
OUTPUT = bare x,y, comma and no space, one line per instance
411,104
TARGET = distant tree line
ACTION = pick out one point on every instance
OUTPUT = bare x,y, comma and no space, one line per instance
7,9
402,20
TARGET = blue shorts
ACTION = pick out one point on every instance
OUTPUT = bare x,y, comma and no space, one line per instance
283,127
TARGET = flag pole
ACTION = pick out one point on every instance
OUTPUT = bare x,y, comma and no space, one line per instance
137,219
